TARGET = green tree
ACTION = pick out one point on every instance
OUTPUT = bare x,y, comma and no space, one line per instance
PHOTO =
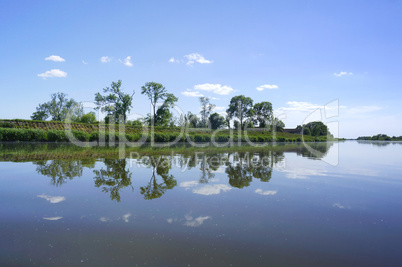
206,109
263,113
155,92
241,107
89,117
163,115
277,124
192,120
116,103
216,121
58,108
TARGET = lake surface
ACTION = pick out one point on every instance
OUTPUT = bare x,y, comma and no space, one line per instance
271,207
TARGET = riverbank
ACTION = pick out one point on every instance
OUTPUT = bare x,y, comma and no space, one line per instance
48,131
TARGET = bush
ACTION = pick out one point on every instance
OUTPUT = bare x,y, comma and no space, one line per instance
82,136
56,136
6,125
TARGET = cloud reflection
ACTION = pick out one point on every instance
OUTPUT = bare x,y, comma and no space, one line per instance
215,189
303,173
52,218
52,199
265,193
126,217
190,221
195,222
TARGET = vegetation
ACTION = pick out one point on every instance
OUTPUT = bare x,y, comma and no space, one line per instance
58,108
206,109
161,116
240,107
380,137
116,104
21,130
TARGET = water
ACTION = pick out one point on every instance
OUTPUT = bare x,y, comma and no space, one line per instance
268,207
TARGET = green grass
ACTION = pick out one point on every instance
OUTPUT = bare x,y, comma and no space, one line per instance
48,131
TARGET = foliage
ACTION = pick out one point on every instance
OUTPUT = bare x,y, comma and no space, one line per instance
89,117
277,124
116,104
241,107
58,108
206,109
216,121
263,113
316,128
380,137
161,116
155,92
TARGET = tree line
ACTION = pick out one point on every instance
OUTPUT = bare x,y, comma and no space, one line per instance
116,104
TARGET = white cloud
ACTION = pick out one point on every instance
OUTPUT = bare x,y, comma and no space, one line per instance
215,189
267,86
52,199
173,60
52,218
299,106
195,222
342,73
265,193
126,217
84,62
215,88
192,93
127,61
55,58
105,59
195,57
53,73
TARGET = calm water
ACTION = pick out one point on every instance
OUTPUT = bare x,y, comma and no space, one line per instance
228,209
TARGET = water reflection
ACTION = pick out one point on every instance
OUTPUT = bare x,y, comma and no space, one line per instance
115,174
379,143
160,167
62,170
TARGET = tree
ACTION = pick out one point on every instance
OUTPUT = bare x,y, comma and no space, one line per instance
277,124
216,121
206,109
90,117
240,107
263,113
163,116
58,108
192,120
155,92
316,128
116,103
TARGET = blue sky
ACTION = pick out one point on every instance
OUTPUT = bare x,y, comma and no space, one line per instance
302,54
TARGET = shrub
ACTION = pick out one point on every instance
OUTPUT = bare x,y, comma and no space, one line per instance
56,136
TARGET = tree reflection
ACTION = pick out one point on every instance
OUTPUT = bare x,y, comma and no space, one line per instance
62,170
243,167
160,167
114,177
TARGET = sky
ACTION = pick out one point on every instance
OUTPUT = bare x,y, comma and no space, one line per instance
338,60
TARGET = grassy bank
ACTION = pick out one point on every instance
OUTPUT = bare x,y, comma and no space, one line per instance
44,131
